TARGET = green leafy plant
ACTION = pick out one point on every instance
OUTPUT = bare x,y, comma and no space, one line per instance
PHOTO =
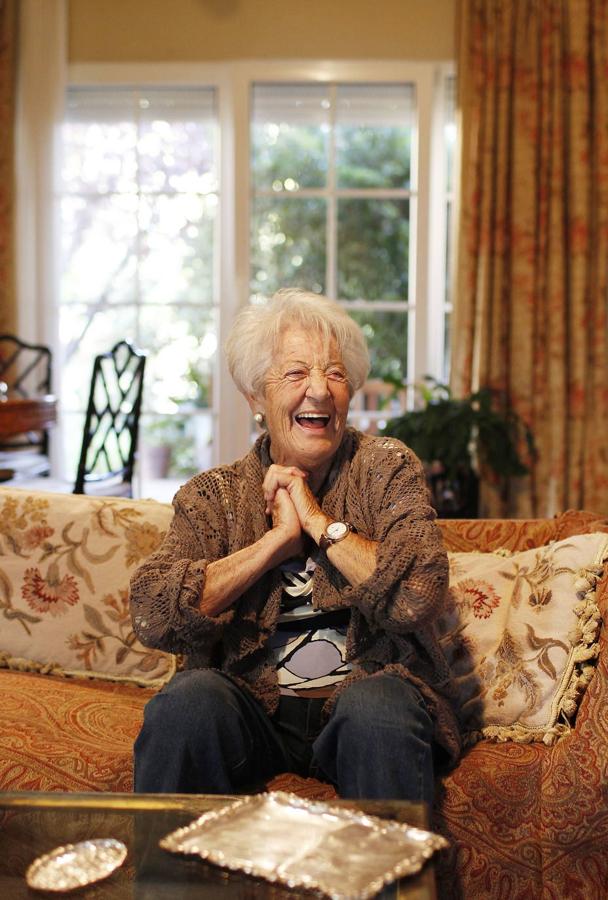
199,388
459,438
163,431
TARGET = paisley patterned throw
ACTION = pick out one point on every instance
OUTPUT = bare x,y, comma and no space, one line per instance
65,564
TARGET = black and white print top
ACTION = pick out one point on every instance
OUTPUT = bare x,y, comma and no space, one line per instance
309,646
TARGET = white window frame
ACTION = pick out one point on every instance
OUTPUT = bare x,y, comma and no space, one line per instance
233,83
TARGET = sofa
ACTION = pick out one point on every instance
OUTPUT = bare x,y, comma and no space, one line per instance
525,811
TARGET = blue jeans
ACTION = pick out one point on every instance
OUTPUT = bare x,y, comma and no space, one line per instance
203,734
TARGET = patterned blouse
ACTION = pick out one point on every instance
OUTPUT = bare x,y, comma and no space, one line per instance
309,646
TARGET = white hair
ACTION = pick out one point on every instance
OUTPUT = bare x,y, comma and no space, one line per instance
257,330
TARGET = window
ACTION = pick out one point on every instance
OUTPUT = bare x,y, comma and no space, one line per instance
138,221
333,186
180,204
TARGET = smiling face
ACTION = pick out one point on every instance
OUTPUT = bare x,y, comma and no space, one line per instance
305,401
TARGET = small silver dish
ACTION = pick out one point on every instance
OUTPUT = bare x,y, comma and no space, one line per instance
76,865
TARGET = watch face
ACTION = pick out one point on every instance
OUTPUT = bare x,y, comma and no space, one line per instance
336,530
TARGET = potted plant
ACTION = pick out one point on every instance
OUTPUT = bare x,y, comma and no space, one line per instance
160,437
457,439
195,405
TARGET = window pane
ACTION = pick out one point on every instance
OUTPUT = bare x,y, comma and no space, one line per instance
448,250
99,141
449,133
449,128
99,236
373,135
386,334
447,347
182,346
176,149
289,136
287,244
373,238
125,140
176,247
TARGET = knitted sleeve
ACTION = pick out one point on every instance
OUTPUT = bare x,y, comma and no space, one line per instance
166,589
410,580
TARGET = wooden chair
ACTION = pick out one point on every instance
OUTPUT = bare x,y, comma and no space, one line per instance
109,442
25,371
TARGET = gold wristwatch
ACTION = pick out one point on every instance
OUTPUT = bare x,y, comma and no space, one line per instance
335,532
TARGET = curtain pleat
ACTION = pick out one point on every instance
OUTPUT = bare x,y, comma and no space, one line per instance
531,294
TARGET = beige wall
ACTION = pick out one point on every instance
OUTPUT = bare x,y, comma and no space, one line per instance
202,30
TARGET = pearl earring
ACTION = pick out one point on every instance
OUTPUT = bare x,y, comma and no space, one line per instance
260,418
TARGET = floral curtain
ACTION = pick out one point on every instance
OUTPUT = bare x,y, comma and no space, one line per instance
530,317
8,19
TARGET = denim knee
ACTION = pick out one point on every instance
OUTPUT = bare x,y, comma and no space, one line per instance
194,706
378,741
190,696
382,701
203,734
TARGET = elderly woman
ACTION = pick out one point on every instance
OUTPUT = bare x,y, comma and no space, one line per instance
301,584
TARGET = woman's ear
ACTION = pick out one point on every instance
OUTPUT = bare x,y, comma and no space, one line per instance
256,404
257,408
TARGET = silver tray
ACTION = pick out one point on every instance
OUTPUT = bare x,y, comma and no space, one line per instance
306,844
76,865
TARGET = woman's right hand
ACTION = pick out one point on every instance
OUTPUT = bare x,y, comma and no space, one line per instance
285,521
226,579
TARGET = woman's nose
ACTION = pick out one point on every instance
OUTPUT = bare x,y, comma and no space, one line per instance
317,384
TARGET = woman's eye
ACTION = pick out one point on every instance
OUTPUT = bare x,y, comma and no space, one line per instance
336,375
296,374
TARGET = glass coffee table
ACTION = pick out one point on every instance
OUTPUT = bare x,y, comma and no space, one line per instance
32,824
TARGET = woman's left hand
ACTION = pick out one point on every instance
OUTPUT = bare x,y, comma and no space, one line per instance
294,480
355,557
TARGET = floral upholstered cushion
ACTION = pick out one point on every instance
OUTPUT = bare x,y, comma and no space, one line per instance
520,631
65,566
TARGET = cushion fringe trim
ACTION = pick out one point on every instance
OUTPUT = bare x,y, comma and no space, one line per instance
19,664
577,674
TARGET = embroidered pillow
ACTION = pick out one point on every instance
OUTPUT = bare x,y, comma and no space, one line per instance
520,631
65,565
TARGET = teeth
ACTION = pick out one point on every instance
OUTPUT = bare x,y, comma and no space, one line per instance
312,415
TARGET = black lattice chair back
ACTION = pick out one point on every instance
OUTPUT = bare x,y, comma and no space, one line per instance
26,369
111,424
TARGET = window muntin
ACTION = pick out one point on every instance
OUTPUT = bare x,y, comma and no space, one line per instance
287,245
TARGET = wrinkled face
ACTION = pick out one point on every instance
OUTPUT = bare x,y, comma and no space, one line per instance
305,401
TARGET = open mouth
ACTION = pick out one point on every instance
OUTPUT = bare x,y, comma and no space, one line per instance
312,421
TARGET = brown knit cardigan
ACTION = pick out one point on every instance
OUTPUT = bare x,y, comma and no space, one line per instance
377,485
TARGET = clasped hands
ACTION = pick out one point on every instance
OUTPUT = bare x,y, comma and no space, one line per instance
292,505
295,513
